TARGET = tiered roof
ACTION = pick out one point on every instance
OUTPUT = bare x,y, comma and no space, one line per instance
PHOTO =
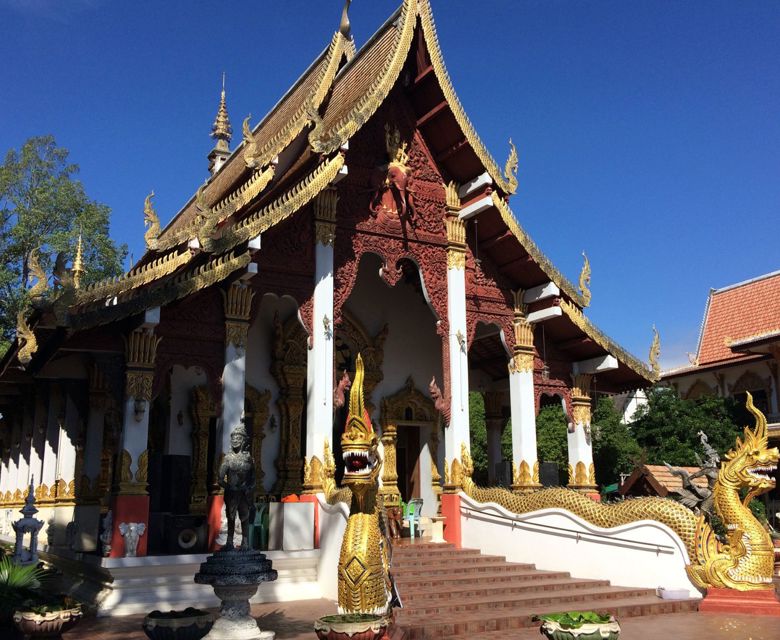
298,149
741,322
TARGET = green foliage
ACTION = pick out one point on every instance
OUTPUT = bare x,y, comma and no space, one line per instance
478,435
551,439
575,619
43,205
17,584
506,441
615,450
666,427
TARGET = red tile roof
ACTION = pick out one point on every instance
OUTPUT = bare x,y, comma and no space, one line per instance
738,312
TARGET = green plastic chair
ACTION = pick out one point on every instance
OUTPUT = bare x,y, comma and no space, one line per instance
258,528
413,512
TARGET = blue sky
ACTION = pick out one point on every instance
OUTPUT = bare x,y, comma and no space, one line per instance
648,131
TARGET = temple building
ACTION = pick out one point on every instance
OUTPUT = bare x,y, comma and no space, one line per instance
363,214
738,352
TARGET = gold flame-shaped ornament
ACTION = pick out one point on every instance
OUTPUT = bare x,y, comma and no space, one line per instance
585,280
655,354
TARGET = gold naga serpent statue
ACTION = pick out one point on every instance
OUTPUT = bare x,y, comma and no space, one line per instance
745,562
364,582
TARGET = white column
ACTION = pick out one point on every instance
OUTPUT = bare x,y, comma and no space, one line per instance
13,465
582,473
56,414
25,444
456,436
238,307
40,422
66,450
93,438
319,369
140,354
525,464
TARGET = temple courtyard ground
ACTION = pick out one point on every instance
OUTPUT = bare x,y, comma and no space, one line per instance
294,621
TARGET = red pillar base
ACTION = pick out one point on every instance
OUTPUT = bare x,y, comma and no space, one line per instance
450,509
129,509
214,519
758,603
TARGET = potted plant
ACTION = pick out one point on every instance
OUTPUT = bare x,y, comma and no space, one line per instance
190,624
47,617
17,584
351,626
579,625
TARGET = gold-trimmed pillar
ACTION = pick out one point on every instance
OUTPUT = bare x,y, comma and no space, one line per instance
582,473
457,433
525,463
131,496
389,488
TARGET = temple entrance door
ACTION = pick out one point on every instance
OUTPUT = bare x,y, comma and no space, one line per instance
408,462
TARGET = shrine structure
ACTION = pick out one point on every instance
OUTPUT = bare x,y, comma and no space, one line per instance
363,214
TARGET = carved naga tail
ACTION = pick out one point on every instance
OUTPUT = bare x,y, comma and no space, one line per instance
364,581
745,563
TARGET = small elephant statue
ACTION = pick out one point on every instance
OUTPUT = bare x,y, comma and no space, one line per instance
131,532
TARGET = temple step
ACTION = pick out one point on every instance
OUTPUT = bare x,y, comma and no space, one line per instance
455,593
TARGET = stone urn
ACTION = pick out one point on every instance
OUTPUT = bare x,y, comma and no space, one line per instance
39,623
235,575
351,626
579,625
190,624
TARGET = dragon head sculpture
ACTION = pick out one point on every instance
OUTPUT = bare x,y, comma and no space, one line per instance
751,464
359,443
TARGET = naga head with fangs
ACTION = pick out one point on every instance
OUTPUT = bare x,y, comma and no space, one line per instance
359,443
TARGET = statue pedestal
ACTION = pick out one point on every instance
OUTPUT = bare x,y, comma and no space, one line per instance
235,576
760,603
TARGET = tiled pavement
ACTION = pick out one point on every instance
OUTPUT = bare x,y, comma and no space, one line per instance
294,621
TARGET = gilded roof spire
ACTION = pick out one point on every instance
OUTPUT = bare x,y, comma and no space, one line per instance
78,264
221,129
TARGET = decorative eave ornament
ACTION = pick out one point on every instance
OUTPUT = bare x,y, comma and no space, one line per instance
510,168
345,29
78,264
26,336
152,221
250,146
36,272
585,281
655,352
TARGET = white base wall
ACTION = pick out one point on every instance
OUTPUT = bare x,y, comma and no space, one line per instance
641,554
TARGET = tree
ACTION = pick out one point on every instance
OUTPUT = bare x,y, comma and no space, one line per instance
551,439
478,437
667,426
42,206
615,450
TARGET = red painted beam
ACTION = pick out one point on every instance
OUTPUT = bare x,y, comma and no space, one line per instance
422,120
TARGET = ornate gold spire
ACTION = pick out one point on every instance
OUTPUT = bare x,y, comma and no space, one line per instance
78,265
221,129
585,280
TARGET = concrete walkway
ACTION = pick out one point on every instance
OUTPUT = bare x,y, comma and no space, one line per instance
294,621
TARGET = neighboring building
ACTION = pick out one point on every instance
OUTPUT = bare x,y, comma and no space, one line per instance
739,351
739,347
344,223
656,480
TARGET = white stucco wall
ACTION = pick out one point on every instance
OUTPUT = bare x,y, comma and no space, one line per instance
412,348
258,372
641,554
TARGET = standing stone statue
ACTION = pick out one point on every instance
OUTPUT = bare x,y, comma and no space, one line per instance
235,574
237,478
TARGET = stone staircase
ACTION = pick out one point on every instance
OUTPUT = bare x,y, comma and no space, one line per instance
460,593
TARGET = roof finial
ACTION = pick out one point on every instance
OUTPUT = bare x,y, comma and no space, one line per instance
345,28
221,129
78,264
655,353
585,280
